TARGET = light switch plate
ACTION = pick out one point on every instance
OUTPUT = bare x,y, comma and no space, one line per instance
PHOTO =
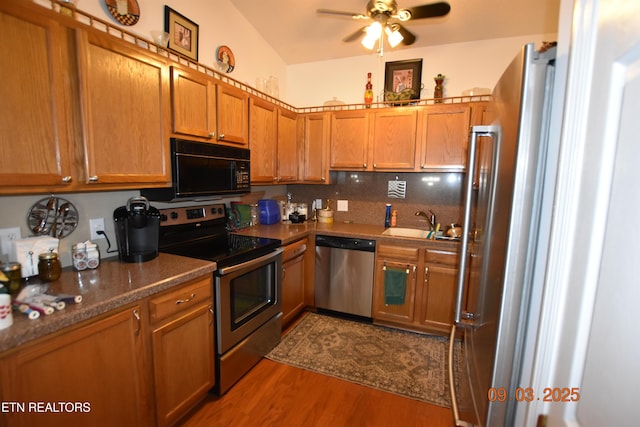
6,236
343,205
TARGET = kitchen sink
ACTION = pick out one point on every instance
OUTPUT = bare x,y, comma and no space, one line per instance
406,232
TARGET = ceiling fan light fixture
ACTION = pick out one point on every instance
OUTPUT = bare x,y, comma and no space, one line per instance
373,34
393,36
369,42
404,15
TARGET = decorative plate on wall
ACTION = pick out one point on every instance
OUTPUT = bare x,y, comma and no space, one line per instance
126,12
225,58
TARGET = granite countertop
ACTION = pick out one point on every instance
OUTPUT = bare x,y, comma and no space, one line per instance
289,232
112,285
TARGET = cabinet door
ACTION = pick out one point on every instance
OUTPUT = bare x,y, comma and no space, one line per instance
293,282
400,259
439,290
233,115
34,115
394,139
193,101
287,146
183,362
316,144
262,134
349,140
101,366
124,96
445,137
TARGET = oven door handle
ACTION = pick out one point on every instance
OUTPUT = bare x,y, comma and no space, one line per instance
250,263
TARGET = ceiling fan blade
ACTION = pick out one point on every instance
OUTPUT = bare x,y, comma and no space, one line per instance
341,13
407,36
355,36
429,10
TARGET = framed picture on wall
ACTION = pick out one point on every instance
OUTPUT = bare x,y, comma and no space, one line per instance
183,33
403,80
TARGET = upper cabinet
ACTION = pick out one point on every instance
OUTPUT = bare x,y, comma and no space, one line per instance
288,154
445,137
315,148
233,115
34,112
193,99
381,139
263,135
124,100
349,139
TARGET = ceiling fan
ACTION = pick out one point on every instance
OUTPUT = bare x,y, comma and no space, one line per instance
384,13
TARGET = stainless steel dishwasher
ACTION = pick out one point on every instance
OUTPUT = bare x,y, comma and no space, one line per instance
344,274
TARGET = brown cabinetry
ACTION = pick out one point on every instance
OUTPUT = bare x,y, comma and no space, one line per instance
445,134
293,280
394,139
233,115
438,294
124,99
35,138
315,165
100,365
430,288
349,139
262,134
183,345
288,153
193,99
403,260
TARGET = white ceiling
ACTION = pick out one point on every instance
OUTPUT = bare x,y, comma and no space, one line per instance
300,35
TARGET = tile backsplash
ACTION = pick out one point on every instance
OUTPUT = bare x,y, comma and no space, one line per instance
367,194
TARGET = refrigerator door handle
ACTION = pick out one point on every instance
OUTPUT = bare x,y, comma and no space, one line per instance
452,386
476,131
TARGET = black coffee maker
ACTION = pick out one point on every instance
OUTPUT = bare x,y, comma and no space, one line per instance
137,230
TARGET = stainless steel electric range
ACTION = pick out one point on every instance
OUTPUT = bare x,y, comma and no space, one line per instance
247,281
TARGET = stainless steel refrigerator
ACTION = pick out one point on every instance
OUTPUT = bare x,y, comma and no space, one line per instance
502,201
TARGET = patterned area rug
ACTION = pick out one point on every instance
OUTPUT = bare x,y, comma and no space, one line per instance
405,363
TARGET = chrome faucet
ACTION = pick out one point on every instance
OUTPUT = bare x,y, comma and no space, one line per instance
430,218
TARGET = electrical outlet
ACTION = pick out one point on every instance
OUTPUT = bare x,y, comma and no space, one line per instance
343,205
6,236
95,225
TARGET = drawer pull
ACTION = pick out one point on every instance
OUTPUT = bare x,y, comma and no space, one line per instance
191,297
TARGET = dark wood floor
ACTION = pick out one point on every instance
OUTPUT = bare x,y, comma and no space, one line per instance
274,394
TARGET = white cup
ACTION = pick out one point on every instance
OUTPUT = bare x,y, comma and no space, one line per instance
6,317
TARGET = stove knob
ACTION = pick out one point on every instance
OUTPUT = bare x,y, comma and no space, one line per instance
163,217
174,215
220,211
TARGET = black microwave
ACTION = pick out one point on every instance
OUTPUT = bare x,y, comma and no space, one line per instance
200,170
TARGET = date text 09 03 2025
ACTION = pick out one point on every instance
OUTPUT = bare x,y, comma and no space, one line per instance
527,394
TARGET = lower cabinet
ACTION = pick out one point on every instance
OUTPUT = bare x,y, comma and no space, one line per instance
146,364
293,280
428,278
183,348
97,372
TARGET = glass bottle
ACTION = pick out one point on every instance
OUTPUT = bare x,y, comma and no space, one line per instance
49,267
387,217
368,92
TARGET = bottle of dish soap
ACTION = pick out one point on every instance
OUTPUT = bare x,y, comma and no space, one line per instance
387,216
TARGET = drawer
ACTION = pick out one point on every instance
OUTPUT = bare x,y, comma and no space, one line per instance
294,249
441,257
398,252
189,295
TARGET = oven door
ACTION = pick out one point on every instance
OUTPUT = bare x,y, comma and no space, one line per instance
247,296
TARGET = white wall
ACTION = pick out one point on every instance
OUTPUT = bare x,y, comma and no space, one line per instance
219,23
466,65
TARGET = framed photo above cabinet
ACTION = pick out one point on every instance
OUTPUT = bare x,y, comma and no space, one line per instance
183,33
402,80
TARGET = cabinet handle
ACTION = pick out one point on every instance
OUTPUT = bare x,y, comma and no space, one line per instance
426,275
212,134
93,178
221,136
374,165
66,179
211,311
136,315
284,271
364,165
324,179
191,297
